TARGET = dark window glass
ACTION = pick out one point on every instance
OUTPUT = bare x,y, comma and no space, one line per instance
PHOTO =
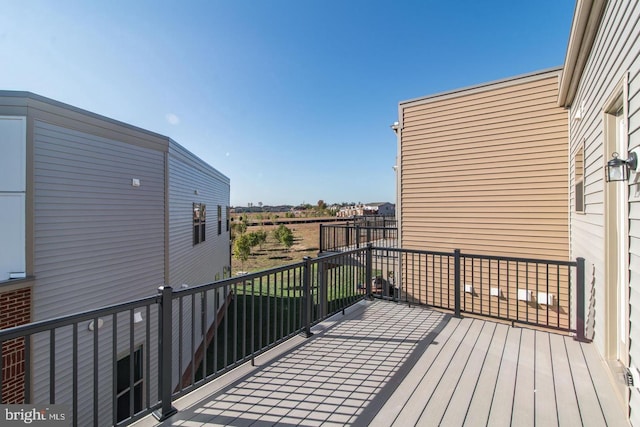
124,385
199,223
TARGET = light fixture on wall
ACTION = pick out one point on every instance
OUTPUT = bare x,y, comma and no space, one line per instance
618,169
137,317
92,324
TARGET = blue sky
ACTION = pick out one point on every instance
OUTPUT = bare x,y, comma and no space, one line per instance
291,99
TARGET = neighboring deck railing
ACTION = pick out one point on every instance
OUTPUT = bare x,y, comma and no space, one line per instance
189,336
341,237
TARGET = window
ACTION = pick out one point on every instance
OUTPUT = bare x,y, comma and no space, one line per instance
228,216
124,384
199,223
578,171
219,220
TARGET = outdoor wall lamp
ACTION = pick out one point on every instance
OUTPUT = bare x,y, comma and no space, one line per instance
618,169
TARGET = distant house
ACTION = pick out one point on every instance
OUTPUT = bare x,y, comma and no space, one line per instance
95,212
380,208
517,167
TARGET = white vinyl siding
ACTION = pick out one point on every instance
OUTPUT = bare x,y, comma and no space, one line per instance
193,181
98,241
615,53
13,140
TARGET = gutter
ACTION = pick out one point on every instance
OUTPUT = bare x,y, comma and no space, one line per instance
587,17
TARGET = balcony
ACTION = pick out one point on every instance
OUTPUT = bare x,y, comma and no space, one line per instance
373,335
387,364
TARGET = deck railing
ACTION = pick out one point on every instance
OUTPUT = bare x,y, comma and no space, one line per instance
546,293
117,364
341,237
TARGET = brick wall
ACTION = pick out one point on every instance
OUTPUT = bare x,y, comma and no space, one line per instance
15,309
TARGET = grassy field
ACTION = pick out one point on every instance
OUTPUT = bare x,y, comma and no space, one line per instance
273,254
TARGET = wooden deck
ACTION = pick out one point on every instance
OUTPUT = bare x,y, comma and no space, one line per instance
385,364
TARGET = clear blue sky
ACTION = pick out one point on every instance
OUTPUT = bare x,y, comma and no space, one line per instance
291,99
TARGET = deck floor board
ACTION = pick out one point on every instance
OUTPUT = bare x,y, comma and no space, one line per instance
387,364
479,408
466,386
545,409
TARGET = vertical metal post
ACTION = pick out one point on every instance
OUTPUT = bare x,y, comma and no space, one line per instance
165,340
306,297
456,281
321,239
357,236
580,301
369,271
323,291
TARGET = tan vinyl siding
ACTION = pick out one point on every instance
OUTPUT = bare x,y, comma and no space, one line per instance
485,171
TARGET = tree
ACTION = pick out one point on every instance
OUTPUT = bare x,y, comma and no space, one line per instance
284,235
242,248
261,237
257,238
322,205
242,226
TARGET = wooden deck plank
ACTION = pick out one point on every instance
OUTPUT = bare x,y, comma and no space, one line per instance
588,404
524,396
502,404
478,413
442,395
545,410
566,402
389,412
420,399
612,408
464,390
456,373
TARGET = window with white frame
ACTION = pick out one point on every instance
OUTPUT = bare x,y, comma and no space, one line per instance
578,173
199,223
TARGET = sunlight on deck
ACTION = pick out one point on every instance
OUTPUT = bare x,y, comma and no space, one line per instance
389,364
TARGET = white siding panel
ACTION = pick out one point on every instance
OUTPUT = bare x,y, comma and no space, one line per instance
193,181
13,140
97,237
12,230
98,241
189,264
614,55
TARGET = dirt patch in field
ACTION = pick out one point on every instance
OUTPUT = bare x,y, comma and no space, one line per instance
273,254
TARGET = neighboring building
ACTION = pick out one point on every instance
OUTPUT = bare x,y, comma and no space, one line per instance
96,212
485,169
601,87
380,208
